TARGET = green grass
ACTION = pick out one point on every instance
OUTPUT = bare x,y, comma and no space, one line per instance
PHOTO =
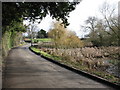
35,49
45,54
44,39
40,39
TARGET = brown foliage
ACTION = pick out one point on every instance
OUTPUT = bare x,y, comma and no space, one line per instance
64,38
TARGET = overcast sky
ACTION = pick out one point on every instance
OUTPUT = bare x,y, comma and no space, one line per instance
77,17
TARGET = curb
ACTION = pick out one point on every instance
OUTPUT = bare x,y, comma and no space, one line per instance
83,73
34,52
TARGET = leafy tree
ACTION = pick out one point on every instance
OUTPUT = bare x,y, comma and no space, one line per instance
42,34
64,38
58,33
19,11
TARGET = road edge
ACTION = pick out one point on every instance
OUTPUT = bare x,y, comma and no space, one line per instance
83,73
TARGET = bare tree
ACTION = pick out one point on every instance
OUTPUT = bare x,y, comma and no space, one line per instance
91,23
31,30
111,19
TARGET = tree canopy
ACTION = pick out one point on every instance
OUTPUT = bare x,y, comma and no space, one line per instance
42,34
19,11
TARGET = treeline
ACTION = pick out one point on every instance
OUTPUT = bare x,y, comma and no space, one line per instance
37,34
105,31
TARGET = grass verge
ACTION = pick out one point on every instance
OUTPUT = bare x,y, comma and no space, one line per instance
76,65
45,54
39,40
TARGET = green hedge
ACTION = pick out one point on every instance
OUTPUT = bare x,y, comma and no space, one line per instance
10,39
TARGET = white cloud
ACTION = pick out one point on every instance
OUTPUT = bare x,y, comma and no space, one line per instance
46,23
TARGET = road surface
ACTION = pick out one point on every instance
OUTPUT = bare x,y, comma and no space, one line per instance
24,69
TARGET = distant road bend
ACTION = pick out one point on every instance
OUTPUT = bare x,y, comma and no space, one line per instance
24,69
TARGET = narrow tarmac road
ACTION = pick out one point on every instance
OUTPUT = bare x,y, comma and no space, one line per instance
24,69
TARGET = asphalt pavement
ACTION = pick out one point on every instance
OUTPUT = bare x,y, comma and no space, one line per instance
24,69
